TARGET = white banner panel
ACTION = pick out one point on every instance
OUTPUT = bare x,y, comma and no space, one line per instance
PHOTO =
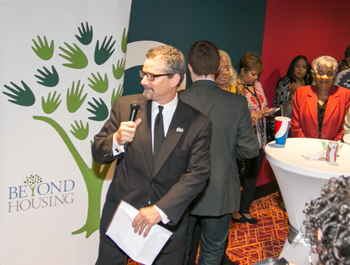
62,64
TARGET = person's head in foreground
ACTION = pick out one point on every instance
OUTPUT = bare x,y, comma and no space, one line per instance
327,224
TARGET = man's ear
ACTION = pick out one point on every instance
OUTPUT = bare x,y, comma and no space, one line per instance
175,80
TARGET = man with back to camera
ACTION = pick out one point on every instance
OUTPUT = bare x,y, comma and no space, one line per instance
160,188
232,137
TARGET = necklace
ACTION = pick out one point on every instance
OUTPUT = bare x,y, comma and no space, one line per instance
245,84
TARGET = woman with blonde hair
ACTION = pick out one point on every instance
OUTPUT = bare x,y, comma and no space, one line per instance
226,77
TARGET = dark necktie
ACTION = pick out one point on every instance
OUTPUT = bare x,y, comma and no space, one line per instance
158,135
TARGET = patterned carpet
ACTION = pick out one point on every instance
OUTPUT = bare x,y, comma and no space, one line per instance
247,243
251,243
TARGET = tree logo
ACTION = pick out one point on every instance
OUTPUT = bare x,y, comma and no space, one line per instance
32,182
75,58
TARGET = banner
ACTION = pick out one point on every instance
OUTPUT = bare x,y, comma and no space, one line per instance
62,66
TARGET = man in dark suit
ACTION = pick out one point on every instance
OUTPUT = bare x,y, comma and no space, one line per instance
232,137
160,188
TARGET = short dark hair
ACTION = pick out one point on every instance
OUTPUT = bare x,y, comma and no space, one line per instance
290,71
173,57
251,61
204,58
347,52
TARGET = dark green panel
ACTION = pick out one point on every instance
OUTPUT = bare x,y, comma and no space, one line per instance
234,26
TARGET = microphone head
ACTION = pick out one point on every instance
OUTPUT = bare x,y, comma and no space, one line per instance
135,105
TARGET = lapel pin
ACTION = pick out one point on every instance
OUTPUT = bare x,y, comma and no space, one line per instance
178,129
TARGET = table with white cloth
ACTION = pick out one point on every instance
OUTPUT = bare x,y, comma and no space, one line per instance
300,180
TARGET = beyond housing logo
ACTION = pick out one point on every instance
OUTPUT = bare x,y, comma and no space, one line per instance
76,57
37,194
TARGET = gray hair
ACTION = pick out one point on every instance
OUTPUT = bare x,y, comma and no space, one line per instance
326,61
174,60
232,80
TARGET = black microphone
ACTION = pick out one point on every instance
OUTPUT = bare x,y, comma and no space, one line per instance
134,107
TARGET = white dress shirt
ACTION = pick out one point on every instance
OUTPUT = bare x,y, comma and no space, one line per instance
168,113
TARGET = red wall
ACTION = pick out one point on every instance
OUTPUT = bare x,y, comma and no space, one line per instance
308,27
300,27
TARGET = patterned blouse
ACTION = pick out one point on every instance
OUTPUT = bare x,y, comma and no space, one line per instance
282,94
257,101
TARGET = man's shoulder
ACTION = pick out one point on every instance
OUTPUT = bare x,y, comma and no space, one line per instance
198,85
204,83
192,112
126,100
130,98
213,90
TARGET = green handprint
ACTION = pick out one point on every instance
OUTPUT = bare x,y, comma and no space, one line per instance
74,99
23,97
124,41
86,34
102,55
119,70
79,131
48,79
100,110
76,56
51,104
43,50
117,94
98,84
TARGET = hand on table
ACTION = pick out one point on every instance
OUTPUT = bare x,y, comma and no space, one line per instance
146,218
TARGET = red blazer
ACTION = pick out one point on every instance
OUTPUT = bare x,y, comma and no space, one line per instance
304,115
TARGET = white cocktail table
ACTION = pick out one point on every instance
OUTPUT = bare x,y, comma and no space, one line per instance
300,181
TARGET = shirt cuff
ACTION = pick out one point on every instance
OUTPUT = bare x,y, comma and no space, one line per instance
165,218
116,148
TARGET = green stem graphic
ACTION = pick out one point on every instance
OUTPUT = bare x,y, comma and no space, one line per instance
93,180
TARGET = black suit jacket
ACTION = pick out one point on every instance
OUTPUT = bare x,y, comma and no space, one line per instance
181,171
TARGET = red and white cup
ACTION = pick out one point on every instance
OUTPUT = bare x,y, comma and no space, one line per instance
281,130
332,150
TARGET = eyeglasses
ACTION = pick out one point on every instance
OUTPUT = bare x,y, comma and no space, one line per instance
149,76
227,69
329,74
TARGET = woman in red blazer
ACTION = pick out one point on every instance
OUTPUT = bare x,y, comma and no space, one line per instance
319,111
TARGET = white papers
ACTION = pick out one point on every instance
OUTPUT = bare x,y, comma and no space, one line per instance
140,249
313,155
